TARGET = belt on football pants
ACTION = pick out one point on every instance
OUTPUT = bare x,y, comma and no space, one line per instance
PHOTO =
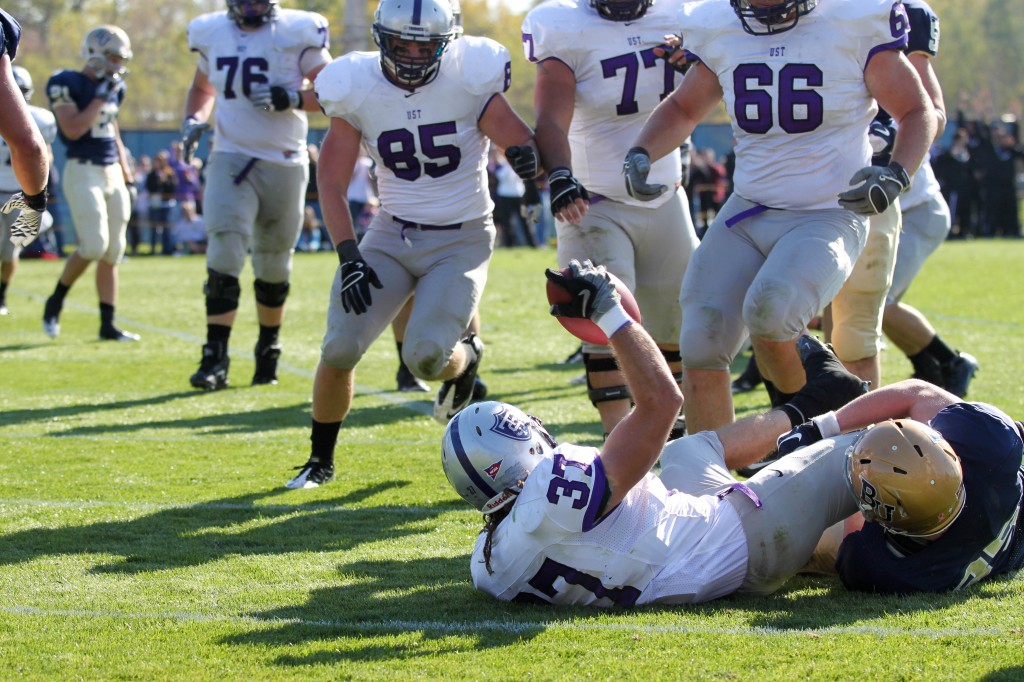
743,489
91,162
409,225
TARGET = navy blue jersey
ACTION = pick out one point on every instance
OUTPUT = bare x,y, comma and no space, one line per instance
98,144
984,541
923,38
10,34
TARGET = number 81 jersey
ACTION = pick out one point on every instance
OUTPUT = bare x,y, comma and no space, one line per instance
430,153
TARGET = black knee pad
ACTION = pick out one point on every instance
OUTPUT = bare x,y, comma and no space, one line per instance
222,292
271,295
670,357
603,363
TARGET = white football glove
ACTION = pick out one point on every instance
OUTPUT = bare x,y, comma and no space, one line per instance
26,227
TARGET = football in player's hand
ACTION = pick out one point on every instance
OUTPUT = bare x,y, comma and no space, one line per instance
583,328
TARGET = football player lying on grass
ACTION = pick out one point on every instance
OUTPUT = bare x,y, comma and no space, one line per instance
939,481
568,524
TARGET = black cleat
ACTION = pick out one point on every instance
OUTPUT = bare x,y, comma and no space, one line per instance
212,374
312,475
408,382
115,334
958,372
479,391
749,379
266,364
456,393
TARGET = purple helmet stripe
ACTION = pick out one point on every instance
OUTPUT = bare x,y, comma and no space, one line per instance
460,452
417,11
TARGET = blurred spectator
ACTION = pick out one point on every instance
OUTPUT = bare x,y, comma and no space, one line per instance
707,187
508,195
162,183
309,236
955,171
139,219
190,230
361,195
1001,217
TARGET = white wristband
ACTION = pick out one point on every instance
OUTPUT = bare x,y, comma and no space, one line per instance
613,320
827,425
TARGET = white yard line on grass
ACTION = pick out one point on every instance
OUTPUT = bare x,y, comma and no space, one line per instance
399,400
511,627
226,506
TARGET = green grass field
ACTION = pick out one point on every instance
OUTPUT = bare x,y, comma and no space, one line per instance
145,532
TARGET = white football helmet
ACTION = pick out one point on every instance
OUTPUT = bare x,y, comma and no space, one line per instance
489,449
251,13
771,19
457,18
422,21
24,80
906,478
99,45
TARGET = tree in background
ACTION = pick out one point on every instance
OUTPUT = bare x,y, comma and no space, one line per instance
982,58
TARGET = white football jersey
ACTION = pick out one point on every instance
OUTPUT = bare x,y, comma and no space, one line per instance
234,60
655,546
619,81
46,122
797,100
430,153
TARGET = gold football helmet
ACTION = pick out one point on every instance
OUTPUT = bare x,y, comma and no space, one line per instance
906,477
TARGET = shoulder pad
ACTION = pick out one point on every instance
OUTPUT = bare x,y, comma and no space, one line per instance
550,28
342,85
10,34
924,30
45,121
202,30
482,64
62,86
300,29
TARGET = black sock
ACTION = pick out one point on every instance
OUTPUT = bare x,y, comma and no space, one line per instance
775,396
402,367
926,367
60,291
268,335
106,316
940,351
324,437
3,291
218,332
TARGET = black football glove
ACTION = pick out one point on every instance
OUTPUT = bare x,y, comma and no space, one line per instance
26,227
356,278
523,161
636,169
801,436
592,291
878,189
829,385
192,131
530,205
565,189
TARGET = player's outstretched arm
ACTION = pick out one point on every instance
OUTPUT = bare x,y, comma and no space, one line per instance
28,149
674,119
